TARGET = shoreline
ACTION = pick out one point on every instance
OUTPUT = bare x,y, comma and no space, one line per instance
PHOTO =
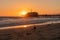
36,24
41,32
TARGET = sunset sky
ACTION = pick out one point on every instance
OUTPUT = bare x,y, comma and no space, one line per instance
14,7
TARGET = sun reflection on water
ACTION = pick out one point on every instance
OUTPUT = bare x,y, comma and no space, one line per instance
25,26
30,25
22,26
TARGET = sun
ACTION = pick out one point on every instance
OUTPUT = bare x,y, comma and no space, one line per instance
23,13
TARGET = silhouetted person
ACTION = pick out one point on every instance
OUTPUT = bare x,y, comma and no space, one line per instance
34,28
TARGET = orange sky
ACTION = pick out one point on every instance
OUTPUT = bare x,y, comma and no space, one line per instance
13,7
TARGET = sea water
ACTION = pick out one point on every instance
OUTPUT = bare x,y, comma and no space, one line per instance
25,21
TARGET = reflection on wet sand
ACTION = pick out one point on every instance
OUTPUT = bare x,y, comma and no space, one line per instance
30,25
43,31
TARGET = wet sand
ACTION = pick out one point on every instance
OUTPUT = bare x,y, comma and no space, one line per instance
35,32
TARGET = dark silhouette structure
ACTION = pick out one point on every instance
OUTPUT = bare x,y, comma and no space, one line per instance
32,14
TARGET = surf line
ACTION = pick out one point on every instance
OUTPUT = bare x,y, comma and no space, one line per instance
30,25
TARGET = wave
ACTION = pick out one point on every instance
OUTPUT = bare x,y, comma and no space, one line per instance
31,25
25,21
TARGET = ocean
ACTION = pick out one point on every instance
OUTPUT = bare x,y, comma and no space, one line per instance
5,22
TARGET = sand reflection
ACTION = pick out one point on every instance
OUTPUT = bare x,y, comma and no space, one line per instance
30,25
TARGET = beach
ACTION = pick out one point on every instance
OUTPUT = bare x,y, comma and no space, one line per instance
35,32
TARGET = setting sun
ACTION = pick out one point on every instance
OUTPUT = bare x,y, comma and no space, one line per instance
23,13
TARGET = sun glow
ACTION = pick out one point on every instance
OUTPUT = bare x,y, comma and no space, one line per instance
22,13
